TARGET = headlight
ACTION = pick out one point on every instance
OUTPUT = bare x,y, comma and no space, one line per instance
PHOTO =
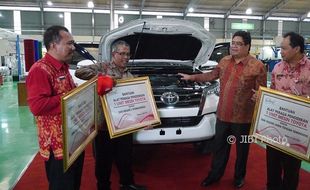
214,88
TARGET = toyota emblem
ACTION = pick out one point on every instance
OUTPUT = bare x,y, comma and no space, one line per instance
169,98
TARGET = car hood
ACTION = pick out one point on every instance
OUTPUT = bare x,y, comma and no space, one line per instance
171,39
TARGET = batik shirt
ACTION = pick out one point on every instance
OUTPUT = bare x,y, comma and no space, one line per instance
236,83
106,68
292,80
47,81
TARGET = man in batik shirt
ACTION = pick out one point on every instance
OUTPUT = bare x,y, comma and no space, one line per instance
118,149
291,75
47,81
240,74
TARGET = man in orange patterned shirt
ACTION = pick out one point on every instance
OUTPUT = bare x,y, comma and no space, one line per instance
47,81
239,75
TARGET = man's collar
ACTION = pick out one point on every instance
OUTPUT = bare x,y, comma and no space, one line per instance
57,64
114,66
242,60
302,61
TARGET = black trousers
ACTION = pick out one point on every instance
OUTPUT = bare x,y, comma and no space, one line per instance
278,162
225,135
58,180
106,151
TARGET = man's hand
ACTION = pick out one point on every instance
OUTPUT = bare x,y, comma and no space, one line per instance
254,96
104,84
185,76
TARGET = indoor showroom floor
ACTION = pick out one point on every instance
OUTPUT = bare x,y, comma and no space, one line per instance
18,137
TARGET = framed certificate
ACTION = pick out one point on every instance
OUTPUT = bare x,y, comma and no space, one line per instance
281,120
79,120
130,106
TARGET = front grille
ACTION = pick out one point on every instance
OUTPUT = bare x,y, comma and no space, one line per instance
180,121
189,92
187,98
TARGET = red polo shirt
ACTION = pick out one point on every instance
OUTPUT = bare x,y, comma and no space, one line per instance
47,81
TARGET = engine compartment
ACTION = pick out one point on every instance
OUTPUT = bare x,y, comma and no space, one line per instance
167,84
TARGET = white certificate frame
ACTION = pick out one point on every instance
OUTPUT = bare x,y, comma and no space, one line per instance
130,106
79,120
281,121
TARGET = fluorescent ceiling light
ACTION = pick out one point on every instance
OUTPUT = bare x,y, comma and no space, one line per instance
248,11
67,10
308,15
205,15
245,17
90,4
102,11
126,6
159,17
49,3
161,13
20,8
191,9
283,18
127,12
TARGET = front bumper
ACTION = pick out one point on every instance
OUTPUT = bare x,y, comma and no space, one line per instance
204,130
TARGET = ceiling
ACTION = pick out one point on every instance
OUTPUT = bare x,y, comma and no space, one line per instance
265,8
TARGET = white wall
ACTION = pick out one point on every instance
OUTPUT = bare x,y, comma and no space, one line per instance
6,47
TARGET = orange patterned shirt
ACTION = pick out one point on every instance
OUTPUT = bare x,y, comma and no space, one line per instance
47,81
236,83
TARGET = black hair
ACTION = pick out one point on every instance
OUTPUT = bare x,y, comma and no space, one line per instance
296,40
246,36
52,35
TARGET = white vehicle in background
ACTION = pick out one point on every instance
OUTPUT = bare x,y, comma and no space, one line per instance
160,49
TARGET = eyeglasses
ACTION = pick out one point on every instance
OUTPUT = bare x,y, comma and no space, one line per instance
123,54
238,44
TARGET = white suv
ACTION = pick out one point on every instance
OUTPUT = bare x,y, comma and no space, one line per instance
160,49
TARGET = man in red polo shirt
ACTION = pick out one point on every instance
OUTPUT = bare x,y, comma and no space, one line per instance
47,81
239,74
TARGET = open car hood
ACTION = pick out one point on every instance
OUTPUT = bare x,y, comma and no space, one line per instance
171,39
